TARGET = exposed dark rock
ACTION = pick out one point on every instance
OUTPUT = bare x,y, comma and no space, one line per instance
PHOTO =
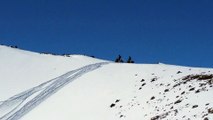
143,84
166,90
206,118
197,91
191,89
155,117
112,105
178,101
194,106
198,77
152,98
142,80
210,110
153,79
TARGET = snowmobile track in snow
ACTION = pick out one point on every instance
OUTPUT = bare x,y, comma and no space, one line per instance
19,105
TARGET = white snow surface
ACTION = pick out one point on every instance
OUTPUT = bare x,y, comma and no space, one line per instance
36,86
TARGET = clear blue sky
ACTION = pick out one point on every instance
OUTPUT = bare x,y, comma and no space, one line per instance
151,31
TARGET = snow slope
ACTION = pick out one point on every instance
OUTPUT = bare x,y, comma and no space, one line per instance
37,86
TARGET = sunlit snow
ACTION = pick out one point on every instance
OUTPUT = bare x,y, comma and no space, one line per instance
37,86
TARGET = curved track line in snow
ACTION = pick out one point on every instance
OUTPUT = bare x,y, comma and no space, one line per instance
20,104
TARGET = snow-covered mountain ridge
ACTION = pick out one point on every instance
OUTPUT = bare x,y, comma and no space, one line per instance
37,86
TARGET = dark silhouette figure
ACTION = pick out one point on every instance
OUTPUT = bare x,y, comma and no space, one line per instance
130,60
119,59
